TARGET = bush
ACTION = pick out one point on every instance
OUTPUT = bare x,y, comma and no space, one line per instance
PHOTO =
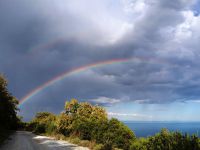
99,129
89,123
139,144
166,140
44,122
85,122
50,128
98,147
31,126
64,124
82,128
75,140
85,143
8,110
118,135
161,141
40,128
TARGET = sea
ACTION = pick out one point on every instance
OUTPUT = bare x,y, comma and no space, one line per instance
145,129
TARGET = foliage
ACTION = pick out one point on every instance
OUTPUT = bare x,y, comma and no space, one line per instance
99,147
118,135
166,140
64,124
72,106
44,122
139,144
8,107
8,111
86,120
85,124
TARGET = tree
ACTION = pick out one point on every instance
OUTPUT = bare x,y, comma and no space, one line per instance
8,107
139,144
44,122
118,135
64,124
87,122
72,106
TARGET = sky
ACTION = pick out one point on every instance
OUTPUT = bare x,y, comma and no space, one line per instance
40,40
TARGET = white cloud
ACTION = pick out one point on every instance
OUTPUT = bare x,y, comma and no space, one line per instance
121,115
181,40
136,7
96,22
122,30
142,101
102,22
105,100
184,30
193,101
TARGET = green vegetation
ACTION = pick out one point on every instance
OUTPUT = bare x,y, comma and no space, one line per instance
166,140
85,124
88,125
8,110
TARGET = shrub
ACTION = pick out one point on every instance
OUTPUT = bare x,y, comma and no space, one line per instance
40,128
82,128
139,144
44,122
99,129
118,135
75,140
87,119
31,126
50,128
85,143
98,147
64,124
86,122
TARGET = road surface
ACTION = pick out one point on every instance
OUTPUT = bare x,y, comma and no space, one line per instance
23,140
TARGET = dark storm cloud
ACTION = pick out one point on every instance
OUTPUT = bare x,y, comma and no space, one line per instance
41,39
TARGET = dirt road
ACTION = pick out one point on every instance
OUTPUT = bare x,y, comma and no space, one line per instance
23,140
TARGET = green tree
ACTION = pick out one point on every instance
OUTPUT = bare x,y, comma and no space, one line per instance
64,124
118,135
44,122
139,144
85,120
72,106
8,107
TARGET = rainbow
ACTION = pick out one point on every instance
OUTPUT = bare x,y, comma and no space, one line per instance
66,74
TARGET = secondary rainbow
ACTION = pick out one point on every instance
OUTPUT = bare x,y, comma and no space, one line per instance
81,69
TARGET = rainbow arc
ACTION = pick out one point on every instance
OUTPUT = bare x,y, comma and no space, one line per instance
66,74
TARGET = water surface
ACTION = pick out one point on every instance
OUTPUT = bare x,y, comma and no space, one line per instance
144,129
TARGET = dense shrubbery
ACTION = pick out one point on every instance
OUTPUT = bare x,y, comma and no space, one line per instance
85,122
8,110
166,140
8,107
44,122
